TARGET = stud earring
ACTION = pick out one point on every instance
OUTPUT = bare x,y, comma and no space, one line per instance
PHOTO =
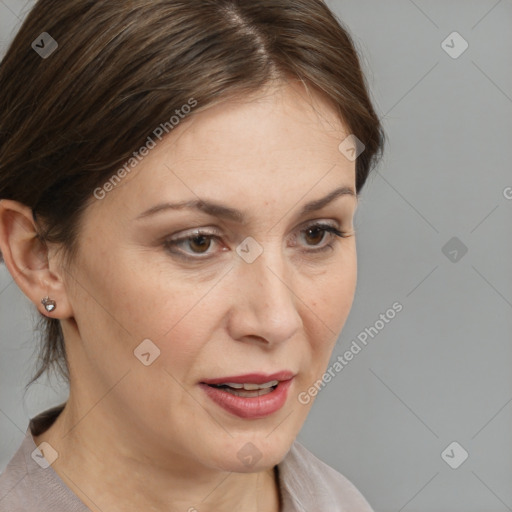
48,304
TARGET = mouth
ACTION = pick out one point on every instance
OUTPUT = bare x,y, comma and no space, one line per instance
250,395
247,390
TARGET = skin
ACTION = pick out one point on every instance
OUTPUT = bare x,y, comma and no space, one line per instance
135,437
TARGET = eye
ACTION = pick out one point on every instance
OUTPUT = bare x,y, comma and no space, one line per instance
198,243
319,232
196,246
312,233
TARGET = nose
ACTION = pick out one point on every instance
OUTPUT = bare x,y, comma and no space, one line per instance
264,305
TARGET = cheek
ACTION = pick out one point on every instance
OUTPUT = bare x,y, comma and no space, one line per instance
143,298
117,304
331,296
176,313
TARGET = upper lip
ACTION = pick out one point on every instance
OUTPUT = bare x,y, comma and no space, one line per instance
252,378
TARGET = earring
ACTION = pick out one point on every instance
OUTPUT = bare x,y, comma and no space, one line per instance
48,304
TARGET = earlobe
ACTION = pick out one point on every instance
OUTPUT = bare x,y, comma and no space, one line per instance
26,257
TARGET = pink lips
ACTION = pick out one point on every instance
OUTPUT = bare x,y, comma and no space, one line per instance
250,407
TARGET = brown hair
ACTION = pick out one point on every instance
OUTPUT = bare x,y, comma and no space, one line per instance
69,120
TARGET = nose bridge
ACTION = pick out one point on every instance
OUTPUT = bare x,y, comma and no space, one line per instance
269,306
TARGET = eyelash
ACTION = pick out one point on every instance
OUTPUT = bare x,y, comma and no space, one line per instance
326,228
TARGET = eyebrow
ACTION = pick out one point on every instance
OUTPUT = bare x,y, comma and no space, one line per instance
222,211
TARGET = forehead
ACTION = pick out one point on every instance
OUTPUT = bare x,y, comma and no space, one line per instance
284,118
281,141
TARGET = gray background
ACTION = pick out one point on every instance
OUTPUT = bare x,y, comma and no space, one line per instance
440,370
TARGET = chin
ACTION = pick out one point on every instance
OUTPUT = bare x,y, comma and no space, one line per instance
251,453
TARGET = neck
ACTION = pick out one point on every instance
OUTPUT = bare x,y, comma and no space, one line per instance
109,470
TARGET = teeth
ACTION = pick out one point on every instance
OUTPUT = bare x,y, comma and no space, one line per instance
248,394
232,385
270,384
251,387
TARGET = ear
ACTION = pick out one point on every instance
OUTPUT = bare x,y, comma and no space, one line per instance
27,259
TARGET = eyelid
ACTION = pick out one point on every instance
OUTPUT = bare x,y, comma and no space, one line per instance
185,235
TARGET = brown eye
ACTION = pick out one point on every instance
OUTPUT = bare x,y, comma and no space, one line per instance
201,243
320,237
315,234
197,245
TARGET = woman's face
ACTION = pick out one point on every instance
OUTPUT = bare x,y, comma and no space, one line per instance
260,296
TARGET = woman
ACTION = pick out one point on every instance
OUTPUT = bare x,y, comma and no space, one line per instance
179,181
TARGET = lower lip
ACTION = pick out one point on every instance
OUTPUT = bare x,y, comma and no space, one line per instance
253,407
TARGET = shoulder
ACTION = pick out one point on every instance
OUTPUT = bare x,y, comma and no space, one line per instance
12,483
28,486
307,483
